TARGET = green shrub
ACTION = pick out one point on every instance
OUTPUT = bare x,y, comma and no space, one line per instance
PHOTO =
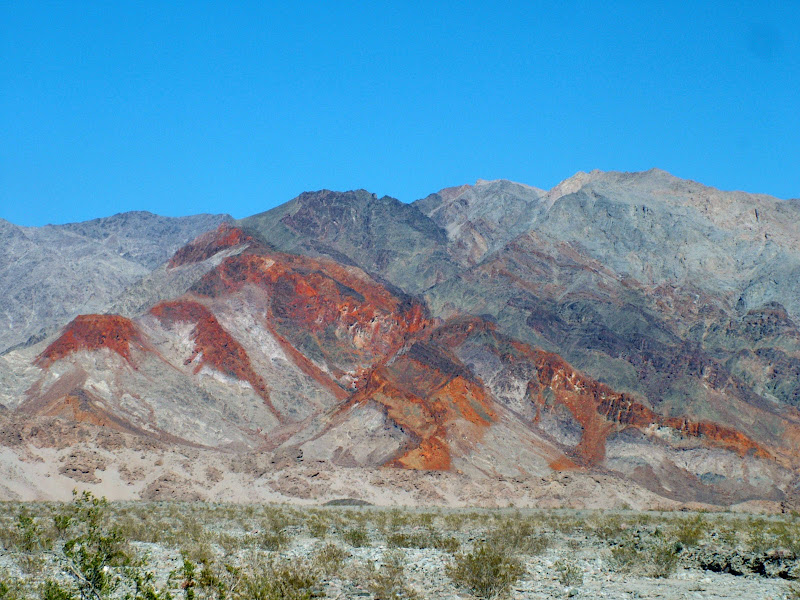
793,591
11,589
317,527
29,533
387,581
427,539
52,590
280,581
487,571
188,578
141,587
652,555
93,549
689,532
757,538
95,557
569,573
519,537
329,560
274,540
357,537
607,527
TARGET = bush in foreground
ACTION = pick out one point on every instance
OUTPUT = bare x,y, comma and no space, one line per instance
487,572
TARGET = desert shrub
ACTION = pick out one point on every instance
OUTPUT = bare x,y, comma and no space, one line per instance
427,539
231,544
191,527
11,589
663,559
52,590
651,555
487,571
569,573
187,577
274,539
793,591
725,536
454,521
386,581
519,537
757,537
280,581
218,581
93,548
425,519
398,519
199,552
788,536
96,559
29,533
329,560
140,586
277,520
357,537
317,526
607,527
689,532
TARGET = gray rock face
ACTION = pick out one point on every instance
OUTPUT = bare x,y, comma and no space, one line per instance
479,219
659,229
50,274
383,236
682,294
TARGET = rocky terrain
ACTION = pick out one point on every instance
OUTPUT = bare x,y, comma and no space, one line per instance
619,339
253,551
48,275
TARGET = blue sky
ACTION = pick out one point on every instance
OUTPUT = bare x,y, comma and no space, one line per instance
236,107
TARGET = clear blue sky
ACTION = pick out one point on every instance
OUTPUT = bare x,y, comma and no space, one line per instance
180,108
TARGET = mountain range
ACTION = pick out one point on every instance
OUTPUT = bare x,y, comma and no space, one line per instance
623,338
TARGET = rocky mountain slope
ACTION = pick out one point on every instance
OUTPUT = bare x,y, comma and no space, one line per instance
50,274
635,331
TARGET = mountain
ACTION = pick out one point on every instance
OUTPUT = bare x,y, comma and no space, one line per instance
480,219
50,274
621,338
391,240
677,293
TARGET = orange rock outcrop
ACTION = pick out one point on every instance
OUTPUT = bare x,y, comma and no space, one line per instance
93,332
213,344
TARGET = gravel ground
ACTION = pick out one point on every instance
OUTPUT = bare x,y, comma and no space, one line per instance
606,553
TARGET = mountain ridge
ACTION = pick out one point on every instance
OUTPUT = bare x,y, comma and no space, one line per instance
633,326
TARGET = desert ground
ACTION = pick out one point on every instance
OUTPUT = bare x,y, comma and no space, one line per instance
91,548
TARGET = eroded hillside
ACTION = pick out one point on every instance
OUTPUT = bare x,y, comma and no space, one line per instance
608,337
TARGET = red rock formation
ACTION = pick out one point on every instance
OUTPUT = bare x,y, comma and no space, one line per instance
93,332
424,391
335,314
215,346
432,454
596,407
600,410
208,244
717,435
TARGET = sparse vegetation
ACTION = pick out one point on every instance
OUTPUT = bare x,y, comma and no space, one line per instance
651,554
92,549
386,581
487,571
569,573
357,537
